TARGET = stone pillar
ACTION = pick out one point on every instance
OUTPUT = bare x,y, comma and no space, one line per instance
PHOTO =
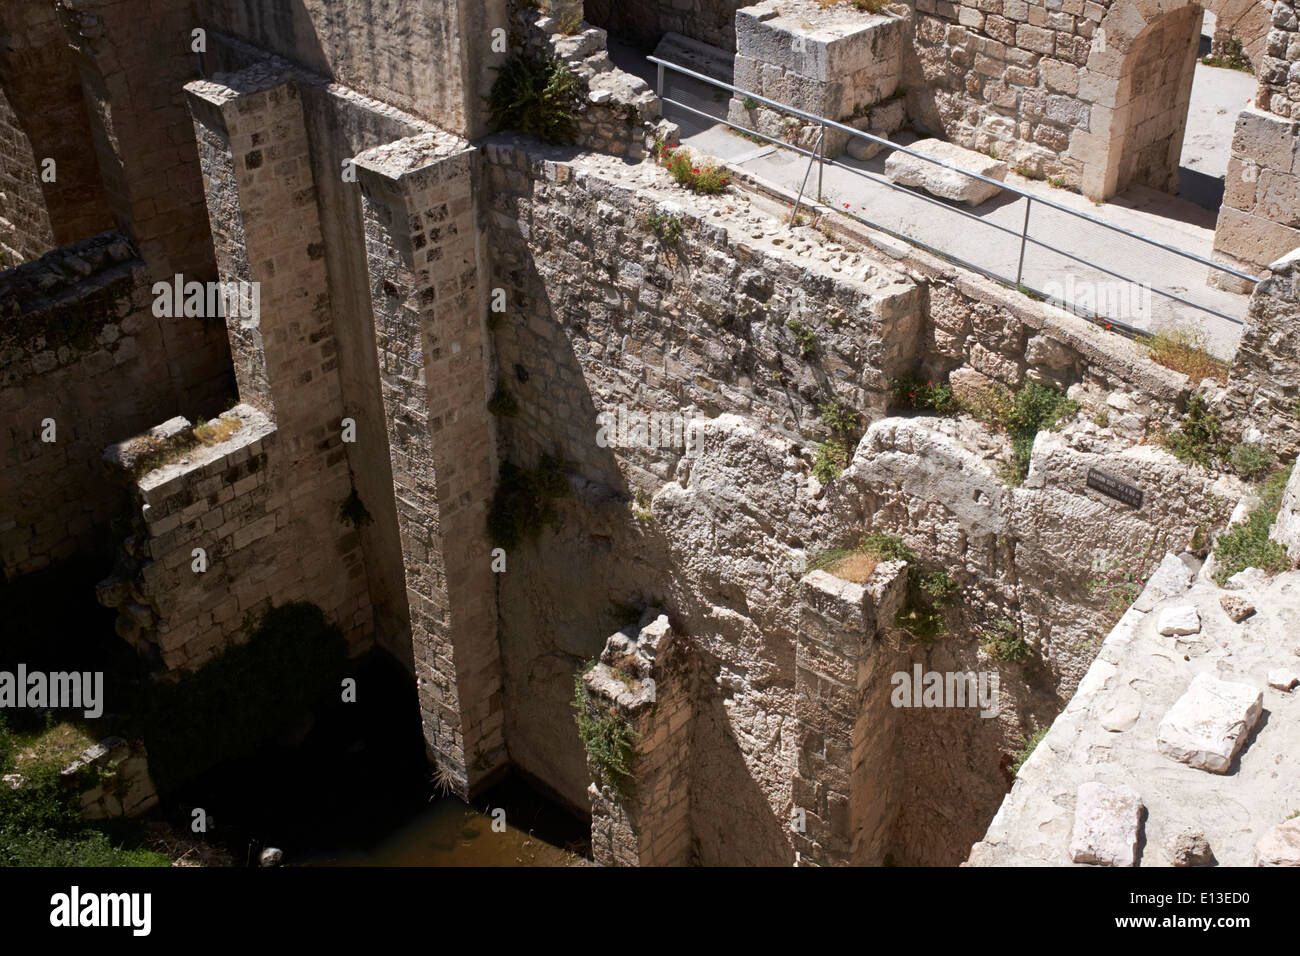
417,200
266,230
641,687
843,787
1262,397
1258,219
134,55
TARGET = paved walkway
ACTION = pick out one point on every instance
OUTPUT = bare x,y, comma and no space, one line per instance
1146,283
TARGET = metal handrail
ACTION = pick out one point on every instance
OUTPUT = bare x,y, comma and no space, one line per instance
832,124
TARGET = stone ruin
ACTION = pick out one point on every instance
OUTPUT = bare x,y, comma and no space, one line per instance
443,306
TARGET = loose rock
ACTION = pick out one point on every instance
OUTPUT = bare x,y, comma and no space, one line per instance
1236,607
1106,821
1209,724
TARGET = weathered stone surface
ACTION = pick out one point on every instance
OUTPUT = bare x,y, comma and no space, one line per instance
1280,846
1106,821
1188,847
1179,620
1209,724
908,170
1236,607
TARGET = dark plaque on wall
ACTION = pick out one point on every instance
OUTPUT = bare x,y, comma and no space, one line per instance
1115,488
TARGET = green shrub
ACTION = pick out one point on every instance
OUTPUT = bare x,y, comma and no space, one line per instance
1251,461
244,696
926,396
1027,746
1247,544
41,823
536,95
667,227
524,501
1022,415
608,738
830,460
805,337
1002,642
1198,437
845,426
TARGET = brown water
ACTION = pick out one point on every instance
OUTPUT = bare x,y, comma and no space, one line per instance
451,833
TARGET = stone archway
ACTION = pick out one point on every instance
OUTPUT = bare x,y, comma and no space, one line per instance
1137,82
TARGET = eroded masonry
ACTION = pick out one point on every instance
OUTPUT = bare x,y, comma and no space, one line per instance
670,499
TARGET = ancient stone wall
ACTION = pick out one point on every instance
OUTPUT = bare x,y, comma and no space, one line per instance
716,535
1093,93
643,681
131,79
1261,400
845,791
25,231
45,119
431,58
709,21
1261,201
267,537
82,347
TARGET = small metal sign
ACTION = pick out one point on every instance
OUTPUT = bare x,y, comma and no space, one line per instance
1115,488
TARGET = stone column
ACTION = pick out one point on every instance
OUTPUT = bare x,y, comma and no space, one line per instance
641,686
417,201
843,786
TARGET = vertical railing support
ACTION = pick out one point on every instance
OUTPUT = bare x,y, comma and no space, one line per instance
794,214
1024,237
821,159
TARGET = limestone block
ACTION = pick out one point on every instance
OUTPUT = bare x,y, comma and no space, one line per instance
907,170
1209,724
1280,846
1106,822
1179,620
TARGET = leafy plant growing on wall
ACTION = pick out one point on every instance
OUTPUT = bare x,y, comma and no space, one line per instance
845,426
1247,544
536,95
608,738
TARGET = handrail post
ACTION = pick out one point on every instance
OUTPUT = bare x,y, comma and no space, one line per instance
1024,236
659,85
821,158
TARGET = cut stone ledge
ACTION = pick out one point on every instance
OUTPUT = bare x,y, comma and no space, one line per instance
1209,724
1106,822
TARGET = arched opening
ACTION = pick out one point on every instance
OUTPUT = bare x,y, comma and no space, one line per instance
1144,79
1152,100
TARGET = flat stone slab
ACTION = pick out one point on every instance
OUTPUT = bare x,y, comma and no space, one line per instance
1209,724
1106,821
946,183
1179,620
